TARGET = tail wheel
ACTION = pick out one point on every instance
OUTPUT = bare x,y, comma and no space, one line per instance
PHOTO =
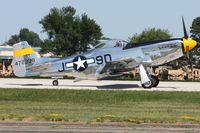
155,81
55,83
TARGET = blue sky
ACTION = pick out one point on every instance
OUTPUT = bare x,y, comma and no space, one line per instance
118,18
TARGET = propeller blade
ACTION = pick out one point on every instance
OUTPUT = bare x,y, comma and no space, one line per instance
184,29
189,57
191,64
188,45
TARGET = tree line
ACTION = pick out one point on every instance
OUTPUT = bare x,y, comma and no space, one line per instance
69,33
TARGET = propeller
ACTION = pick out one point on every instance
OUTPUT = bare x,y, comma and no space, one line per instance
184,29
188,44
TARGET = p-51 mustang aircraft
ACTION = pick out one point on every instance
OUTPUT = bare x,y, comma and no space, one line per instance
107,59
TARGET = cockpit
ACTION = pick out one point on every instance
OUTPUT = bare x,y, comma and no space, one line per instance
111,44
126,45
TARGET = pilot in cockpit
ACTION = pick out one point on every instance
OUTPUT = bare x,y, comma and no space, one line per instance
120,43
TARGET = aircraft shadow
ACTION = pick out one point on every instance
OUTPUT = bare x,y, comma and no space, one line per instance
112,86
168,87
118,86
100,87
106,87
27,84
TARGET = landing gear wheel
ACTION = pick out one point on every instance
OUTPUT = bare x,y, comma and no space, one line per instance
55,83
155,81
147,85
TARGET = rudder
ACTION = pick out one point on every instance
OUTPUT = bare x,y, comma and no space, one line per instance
23,58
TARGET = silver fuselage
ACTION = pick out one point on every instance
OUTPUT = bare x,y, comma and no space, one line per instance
105,62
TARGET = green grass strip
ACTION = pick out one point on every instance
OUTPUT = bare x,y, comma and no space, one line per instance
99,106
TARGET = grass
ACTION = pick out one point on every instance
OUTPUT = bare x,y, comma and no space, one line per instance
99,106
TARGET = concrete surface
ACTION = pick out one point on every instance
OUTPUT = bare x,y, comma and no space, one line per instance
53,127
95,85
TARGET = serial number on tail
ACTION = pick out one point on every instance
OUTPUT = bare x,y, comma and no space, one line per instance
25,62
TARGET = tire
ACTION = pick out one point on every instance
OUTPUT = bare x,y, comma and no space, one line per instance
147,85
55,83
155,81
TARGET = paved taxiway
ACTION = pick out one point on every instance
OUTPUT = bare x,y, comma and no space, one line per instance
95,85
59,127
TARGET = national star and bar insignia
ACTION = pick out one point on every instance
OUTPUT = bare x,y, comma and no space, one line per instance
80,63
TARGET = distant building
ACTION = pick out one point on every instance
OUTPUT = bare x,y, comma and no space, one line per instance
6,55
6,52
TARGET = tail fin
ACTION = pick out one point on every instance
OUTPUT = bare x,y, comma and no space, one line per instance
23,58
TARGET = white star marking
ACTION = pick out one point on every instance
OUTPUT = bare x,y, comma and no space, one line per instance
80,63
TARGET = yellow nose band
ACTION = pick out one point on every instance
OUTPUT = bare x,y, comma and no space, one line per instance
189,44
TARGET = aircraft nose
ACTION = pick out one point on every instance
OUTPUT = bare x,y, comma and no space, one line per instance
189,44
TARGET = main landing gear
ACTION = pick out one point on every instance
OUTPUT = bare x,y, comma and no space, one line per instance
154,81
148,81
55,83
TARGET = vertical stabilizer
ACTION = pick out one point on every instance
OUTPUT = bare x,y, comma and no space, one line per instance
23,57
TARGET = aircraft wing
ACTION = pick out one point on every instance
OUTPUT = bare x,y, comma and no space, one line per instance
118,66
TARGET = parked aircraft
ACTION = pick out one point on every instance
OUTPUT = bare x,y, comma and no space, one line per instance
107,59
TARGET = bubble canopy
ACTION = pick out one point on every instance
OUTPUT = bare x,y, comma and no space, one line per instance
112,43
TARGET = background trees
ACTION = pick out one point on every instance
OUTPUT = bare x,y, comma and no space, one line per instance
67,33
25,35
195,34
150,34
195,29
